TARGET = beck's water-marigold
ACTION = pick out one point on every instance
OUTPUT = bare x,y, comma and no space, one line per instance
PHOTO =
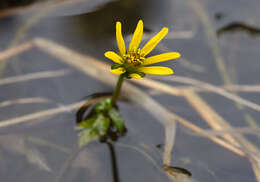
132,62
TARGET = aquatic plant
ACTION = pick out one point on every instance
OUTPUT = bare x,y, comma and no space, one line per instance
128,63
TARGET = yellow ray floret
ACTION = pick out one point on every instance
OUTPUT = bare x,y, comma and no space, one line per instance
135,75
137,37
120,39
161,57
156,70
114,57
150,45
118,71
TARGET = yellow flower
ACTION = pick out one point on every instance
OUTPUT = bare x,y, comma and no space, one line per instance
132,62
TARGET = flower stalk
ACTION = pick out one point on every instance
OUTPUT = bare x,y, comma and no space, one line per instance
117,89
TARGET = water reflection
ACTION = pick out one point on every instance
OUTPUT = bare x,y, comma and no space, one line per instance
93,31
98,28
14,3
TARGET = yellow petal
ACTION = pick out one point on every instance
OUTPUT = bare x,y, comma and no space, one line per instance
156,70
118,71
135,75
120,39
161,58
149,46
114,57
137,37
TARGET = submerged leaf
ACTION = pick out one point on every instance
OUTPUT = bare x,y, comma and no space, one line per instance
101,124
117,119
95,127
85,136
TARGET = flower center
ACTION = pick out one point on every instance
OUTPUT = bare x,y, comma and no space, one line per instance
134,58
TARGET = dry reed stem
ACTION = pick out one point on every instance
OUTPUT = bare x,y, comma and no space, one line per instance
63,53
213,43
218,123
240,130
197,129
256,168
42,42
243,88
29,100
129,91
33,76
48,112
210,116
55,111
212,39
36,6
200,10
33,20
236,88
99,71
217,90
191,66
15,50
243,140
37,115
170,131
162,87
180,79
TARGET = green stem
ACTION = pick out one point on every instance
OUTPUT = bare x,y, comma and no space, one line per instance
117,90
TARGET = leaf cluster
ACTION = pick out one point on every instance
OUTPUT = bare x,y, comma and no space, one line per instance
103,122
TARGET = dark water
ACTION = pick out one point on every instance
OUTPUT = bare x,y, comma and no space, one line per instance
43,148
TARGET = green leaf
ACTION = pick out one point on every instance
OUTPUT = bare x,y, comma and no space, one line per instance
141,74
101,124
87,123
115,66
107,104
85,136
102,106
117,119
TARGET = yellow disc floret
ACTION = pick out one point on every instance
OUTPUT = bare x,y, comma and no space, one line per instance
134,58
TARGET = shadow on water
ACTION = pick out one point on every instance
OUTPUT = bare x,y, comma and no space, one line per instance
239,27
98,22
